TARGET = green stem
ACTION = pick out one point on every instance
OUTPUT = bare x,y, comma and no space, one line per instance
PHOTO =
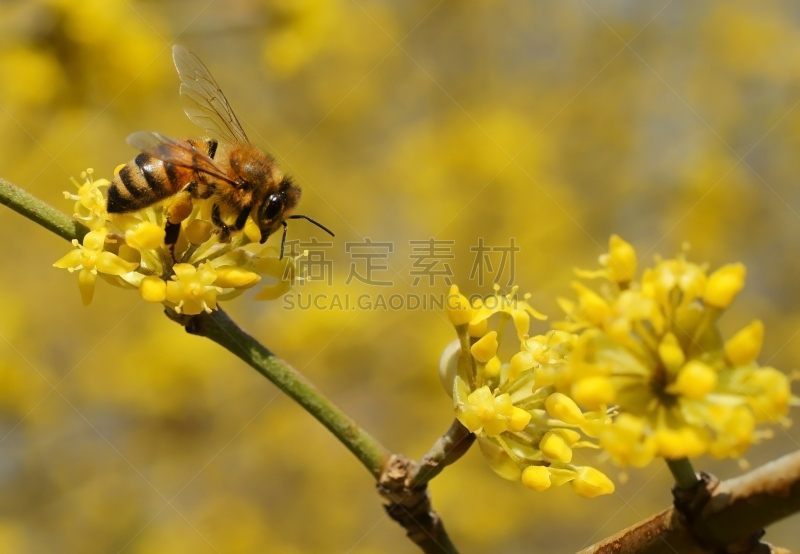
40,212
221,329
683,472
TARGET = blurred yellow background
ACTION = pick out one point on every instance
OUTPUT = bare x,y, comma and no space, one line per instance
555,123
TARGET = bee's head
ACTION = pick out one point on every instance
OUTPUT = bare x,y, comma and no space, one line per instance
276,207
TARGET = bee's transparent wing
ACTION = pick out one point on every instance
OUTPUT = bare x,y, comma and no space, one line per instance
177,152
204,102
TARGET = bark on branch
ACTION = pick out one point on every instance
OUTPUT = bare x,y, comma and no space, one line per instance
404,487
730,520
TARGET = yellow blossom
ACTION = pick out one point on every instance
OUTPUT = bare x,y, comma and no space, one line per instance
90,204
484,412
619,264
653,349
191,289
526,430
520,311
89,258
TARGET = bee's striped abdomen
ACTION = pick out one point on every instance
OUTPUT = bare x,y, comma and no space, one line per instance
143,182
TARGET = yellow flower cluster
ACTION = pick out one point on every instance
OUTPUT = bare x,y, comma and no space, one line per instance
526,429
128,251
652,348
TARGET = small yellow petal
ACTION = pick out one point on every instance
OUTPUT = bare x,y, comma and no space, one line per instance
744,347
95,240
184,271
235,277
591,483
86,280
724,284
560,476
72,259
111,264
499,460
271,292
593,306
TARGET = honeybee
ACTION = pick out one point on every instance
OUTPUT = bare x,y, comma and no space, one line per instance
240,178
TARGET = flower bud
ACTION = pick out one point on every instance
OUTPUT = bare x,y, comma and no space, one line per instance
486,348
555,447
536,478
153,289
724,284
519,420
594,392
695,380
621,260
459,312
561,406
744,347
671,353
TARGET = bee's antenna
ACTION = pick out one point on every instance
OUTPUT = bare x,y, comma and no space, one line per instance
283,240
286,228
317,223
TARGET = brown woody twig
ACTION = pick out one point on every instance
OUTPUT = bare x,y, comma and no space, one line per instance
730,520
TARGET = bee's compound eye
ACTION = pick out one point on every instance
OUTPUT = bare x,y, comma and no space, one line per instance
273,207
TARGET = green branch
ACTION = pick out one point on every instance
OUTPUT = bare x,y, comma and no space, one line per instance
40,212
218,327
683,472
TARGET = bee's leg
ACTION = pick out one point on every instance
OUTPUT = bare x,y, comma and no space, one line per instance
216,219
178,210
